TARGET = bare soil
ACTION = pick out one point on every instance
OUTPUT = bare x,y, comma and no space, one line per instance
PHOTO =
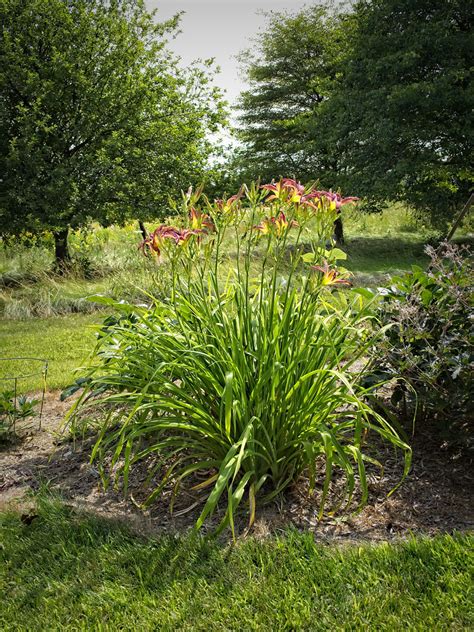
436,497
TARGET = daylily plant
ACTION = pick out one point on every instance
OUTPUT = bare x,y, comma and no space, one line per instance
234,376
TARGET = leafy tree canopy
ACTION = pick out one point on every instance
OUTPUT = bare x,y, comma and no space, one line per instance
97,120
292,71
376,100
401,120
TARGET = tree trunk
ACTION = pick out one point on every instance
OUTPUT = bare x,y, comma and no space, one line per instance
460,217
142,229
61,251
339,231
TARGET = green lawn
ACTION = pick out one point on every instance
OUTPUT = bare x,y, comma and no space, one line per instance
71,571
373,260
65,341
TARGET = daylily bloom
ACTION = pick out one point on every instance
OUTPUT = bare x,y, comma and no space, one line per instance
272,187
330,275
286,189
335,199
156,240
201,221
185,234
276,225
290,183
296,190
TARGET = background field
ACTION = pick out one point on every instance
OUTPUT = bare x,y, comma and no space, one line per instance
46,315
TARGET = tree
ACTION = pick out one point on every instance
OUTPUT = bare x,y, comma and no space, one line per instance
292,72
401,119
97,121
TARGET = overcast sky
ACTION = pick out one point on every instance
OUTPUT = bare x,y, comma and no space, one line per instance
219,29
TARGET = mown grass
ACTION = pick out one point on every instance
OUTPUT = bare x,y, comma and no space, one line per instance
64,341
73,571
374,260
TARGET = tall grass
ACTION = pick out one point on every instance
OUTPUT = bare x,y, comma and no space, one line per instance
241,382
105,261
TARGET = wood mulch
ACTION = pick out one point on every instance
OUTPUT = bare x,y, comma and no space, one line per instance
435,498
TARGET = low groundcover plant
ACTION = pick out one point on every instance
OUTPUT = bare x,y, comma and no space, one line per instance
247,374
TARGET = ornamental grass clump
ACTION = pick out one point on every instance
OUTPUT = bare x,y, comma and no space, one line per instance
248,374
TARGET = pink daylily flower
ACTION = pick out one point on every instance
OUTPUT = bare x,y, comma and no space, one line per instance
155,241
331,275
276,225
335,199
286,189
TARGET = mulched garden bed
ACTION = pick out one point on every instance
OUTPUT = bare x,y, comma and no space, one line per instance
436,497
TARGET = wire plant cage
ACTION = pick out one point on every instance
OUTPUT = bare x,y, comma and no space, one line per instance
15,374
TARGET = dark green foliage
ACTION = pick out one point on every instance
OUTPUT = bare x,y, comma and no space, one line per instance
292,74
96,119
401,119
377,100
431,339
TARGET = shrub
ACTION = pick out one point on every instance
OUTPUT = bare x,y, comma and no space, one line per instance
429,343
248,373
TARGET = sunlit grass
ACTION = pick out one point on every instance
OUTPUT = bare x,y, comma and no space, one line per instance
65,342
109,262
394,221
74,571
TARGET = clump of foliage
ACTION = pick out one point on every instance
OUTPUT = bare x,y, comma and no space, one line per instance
12,410
429,343
247,373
